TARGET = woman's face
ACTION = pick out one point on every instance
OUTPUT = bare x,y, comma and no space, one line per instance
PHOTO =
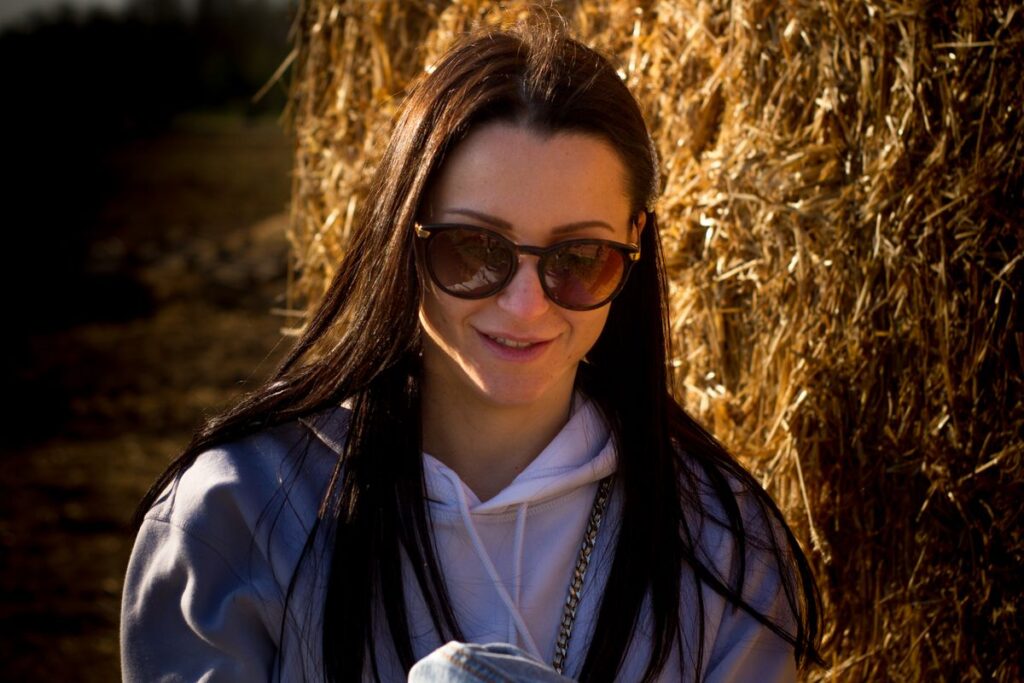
518,348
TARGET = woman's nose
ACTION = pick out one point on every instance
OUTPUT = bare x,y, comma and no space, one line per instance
524,297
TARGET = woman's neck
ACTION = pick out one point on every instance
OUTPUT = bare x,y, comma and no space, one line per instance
486,444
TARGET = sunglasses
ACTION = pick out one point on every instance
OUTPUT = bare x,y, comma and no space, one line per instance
471,262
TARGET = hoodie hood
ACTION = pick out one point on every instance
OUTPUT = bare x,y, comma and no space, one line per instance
508,561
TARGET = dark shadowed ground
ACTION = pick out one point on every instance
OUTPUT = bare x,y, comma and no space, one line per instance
171,321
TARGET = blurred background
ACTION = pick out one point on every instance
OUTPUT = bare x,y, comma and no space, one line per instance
147,180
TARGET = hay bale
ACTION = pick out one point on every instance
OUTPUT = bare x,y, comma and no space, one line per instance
841,212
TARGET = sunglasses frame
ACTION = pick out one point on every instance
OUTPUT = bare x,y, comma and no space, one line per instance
425,231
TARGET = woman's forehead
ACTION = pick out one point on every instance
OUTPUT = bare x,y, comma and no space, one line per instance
525,177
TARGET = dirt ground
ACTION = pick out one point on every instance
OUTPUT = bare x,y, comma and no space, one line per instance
191,243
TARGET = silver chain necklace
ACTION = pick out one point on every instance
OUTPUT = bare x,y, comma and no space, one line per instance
572,599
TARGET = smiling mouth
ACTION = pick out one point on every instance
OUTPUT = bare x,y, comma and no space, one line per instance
515,350
512,343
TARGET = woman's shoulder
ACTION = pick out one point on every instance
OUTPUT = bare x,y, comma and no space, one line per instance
236,484
216,556
739,533
726,493
743,562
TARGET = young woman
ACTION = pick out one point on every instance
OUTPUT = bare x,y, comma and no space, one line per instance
475,440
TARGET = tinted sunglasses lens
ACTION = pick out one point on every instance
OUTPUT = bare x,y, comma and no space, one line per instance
469,263
583,275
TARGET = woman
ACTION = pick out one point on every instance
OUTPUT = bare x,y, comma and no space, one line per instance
475,439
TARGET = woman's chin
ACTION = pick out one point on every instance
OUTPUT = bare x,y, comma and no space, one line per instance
523,394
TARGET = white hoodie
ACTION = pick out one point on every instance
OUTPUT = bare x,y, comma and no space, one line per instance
204,592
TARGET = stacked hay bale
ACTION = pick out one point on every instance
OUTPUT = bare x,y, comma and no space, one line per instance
842,212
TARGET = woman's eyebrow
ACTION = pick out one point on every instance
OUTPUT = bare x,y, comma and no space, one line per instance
505,225
480,216
580,225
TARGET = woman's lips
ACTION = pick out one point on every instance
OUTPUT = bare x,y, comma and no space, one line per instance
513,348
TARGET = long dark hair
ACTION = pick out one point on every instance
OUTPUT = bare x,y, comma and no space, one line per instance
362,346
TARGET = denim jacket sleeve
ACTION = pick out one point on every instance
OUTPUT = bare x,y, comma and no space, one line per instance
188,614
205,589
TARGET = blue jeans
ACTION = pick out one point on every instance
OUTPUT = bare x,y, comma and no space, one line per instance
491,663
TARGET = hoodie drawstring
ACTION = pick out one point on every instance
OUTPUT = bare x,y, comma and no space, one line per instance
485,558
518,554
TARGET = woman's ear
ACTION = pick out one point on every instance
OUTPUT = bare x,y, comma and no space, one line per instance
639,223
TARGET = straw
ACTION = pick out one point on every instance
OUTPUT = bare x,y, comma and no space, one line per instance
841,210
